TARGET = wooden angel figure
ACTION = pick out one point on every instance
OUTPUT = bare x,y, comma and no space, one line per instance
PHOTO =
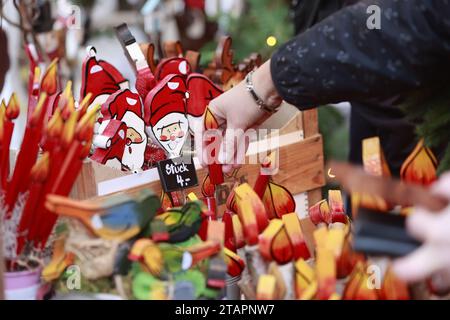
165,114
126,106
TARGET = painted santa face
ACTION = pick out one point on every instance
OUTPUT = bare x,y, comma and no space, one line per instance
136,141
172,135
171,132
165,108
133,136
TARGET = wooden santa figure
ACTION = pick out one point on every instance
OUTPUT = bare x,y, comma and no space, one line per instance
100,78
126,107
165,114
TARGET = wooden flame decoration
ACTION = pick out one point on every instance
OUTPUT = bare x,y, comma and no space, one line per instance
356,287
420,167
238,232
252,213
13,108
375,164
337,210
266,289
305,280
348,258
329,212
326,251
393,288
282,241
274,243
231,202
295,233
278,200
234,262
207,187
49,82
320,212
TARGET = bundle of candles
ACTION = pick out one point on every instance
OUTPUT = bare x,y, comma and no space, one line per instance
57,139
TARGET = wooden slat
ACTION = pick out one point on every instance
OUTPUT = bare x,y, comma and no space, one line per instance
308,229
86,185
311,128
314,196
310,122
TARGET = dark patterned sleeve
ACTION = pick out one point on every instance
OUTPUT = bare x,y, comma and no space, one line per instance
340,59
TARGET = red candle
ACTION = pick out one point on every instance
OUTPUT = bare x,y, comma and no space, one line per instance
66,102
83,106
53,133
39,175
58,154
49,83
52,144
79,149
27,155
11,113
215,168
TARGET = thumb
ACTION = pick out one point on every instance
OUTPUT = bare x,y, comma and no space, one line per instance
229,146
198,130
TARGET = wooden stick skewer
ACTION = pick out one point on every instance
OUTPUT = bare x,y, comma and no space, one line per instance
355,179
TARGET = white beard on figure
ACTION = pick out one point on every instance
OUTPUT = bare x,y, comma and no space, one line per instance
133,155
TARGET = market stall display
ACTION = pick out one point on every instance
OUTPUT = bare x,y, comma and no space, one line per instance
106,195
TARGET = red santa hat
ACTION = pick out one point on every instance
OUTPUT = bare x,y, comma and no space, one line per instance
119,103
99,77
175,65
201,91
167,98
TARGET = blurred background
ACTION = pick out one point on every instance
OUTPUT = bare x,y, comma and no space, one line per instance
64,28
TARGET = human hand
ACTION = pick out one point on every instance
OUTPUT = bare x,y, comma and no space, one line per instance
433,257
236,111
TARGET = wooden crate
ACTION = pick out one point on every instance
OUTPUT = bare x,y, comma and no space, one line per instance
301,164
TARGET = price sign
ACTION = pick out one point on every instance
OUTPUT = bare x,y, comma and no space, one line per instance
178,173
